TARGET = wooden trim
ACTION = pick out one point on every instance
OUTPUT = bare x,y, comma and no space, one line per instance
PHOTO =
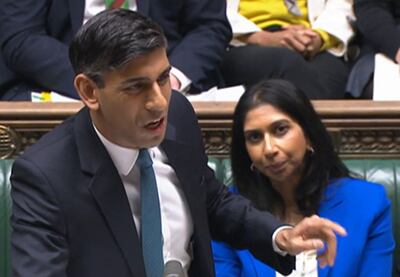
359,128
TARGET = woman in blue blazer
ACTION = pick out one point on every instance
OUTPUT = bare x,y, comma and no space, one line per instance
284,161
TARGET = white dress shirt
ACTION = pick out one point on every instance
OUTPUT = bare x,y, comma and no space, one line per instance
306,265
93,7
176,221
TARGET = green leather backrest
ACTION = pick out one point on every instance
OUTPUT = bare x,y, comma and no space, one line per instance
385,172
5,209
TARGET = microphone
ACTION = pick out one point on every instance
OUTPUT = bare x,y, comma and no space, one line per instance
173,268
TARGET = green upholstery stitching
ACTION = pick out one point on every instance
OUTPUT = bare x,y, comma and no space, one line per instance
5,211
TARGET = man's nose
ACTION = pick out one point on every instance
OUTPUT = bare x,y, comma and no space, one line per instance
156,100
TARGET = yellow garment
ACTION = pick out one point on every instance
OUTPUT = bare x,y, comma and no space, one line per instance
265,13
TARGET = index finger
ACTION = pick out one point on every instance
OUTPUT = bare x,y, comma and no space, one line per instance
316,226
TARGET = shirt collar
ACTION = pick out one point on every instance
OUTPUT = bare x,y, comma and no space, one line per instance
124,158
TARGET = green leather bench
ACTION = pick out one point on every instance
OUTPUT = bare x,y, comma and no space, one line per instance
386,172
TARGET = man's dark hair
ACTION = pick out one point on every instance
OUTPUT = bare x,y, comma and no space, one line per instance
111,39
320,166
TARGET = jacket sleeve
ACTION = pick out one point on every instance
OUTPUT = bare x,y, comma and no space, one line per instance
376,22
38,240
30,51
205,34
377,256
334,17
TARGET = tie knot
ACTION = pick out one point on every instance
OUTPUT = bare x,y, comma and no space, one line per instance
144,159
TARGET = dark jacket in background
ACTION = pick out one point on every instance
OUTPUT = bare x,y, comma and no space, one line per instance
35,34
378,24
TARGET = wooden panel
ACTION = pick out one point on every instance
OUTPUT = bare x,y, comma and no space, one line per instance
359,128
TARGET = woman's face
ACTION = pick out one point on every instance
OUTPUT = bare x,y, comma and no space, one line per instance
276,145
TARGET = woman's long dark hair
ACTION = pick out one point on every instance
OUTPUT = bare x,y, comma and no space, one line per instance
320,166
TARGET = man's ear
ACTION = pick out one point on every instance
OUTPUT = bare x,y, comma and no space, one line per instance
87,90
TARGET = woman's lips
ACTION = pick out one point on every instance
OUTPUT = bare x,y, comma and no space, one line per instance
276,167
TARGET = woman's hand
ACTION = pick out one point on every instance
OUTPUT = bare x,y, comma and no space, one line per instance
295,37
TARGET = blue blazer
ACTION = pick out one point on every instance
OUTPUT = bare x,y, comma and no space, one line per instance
35,35
362,208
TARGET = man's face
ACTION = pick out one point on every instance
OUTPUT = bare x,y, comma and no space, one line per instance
133,104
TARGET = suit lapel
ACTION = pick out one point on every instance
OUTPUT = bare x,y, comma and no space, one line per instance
76,11
108,191
182,161
110,196
143,6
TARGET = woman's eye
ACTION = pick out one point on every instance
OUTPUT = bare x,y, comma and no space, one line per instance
253,137
281,129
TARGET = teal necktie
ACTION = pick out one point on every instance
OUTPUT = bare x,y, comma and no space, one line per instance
151,234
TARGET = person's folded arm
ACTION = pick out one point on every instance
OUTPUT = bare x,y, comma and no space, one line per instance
205,35
29,51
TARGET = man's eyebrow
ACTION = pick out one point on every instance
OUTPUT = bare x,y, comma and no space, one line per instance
133,80
166,71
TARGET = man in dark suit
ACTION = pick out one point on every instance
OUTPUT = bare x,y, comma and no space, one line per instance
76,193
35,34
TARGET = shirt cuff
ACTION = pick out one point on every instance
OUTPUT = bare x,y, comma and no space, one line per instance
274,246
183,79
328,40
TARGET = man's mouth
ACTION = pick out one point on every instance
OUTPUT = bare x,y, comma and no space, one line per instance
155,124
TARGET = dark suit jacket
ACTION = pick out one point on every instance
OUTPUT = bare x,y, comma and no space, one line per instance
378,24
378,21
71,216
35,34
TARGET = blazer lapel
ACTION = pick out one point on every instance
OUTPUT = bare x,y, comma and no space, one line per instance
330,205
143,6
331,200
107,189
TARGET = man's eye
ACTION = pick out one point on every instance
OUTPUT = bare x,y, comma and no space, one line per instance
162,80
133,88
